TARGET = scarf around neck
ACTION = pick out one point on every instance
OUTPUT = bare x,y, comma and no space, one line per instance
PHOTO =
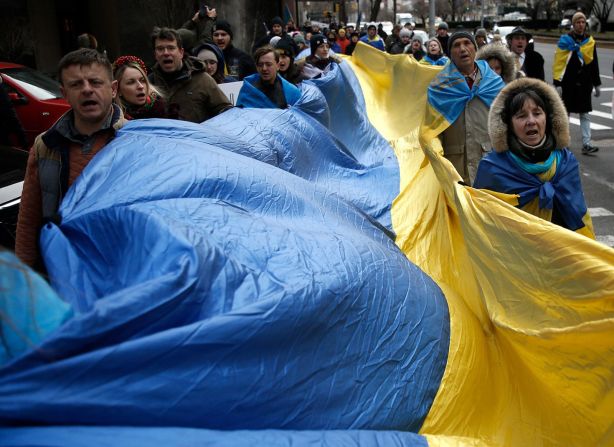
449,93
567,46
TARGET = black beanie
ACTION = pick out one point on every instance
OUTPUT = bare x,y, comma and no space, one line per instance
222,25
277,21
458,35
316,41
285,47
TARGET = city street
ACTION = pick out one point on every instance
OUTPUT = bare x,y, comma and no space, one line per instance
597,170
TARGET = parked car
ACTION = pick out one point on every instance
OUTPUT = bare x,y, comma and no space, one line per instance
36,97
12,173
565,24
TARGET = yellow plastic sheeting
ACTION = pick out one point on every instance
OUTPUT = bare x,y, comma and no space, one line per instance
531,358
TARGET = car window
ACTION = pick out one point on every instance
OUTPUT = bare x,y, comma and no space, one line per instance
35,83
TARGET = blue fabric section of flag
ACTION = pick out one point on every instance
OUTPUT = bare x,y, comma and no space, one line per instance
443,60
239,274
250,96
448,93
29,308
189,437
499,172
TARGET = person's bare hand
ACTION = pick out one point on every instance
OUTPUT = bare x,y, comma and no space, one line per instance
211,13
196,17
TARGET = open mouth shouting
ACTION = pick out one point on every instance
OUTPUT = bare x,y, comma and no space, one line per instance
89,105
168,64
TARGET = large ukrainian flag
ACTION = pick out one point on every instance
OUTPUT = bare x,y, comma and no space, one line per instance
238,283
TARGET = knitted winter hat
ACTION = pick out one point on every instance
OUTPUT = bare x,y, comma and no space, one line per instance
458,35
277,21
577,16
284,46
223,25
316,41
405,33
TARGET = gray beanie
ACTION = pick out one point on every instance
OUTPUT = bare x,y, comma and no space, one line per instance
405,32
458,35
480,32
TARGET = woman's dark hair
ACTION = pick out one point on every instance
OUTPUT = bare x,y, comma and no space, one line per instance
516,100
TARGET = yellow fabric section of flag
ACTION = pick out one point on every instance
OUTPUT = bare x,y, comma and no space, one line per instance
560,63
531,358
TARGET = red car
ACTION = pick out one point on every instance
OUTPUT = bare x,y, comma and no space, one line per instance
36,97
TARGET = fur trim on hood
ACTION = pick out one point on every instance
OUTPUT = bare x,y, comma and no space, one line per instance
497,128
505,56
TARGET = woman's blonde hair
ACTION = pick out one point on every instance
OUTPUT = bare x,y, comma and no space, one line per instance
118,72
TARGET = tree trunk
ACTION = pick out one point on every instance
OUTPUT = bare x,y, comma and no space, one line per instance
374,10
343,16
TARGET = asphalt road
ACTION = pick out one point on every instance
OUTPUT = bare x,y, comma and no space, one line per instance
597,170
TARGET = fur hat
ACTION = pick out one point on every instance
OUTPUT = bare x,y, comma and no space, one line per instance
505,56
577,16
458,35
498,127
316,41
405,33
222,25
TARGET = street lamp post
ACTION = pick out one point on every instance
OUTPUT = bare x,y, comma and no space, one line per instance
431,18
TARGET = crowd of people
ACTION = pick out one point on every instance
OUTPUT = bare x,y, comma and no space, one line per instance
524,121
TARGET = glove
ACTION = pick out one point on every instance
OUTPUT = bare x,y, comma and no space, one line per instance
597,91
559,90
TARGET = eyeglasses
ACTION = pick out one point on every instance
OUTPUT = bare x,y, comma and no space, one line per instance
169,48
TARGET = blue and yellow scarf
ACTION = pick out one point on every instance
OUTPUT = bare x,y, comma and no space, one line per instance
443,60
449,93
504,172
565,48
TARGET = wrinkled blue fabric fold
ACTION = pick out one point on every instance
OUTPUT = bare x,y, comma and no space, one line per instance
241,275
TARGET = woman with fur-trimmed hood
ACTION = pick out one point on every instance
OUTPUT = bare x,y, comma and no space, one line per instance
501,60
529,131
